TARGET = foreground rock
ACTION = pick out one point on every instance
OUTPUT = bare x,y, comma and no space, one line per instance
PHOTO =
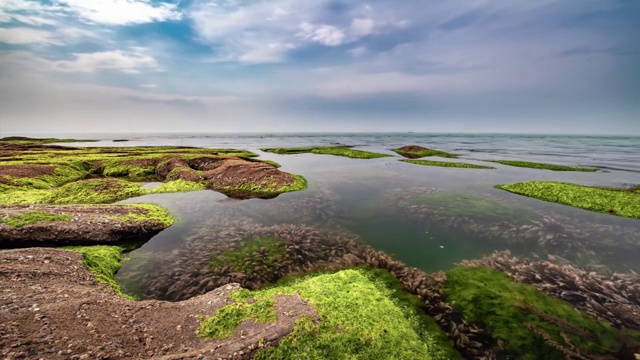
48,225
52,307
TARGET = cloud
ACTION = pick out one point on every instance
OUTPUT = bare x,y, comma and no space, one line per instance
105,12
131,62
24,35
362,27
267,31
122,12
327,35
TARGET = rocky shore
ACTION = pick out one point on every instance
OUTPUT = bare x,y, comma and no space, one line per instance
62,225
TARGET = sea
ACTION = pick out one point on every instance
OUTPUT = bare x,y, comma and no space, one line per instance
427,217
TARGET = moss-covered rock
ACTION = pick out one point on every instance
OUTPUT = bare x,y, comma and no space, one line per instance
415,152
345,151
620,202
358,318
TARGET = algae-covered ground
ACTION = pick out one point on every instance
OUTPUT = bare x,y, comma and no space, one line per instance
537,165
345,151
414,152
620,202
31,174
528,324
447,164
359,317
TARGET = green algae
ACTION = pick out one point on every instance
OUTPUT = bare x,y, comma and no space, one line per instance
610,201
536,165
460,205
33,217
227,319
517,314
264,190
104,262
358,318
424,153
251,255
345,151
447,164
149,212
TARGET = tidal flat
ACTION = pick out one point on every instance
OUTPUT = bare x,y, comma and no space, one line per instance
321,256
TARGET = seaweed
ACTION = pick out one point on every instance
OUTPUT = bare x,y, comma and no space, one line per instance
603,200
536,165
447,164
345,151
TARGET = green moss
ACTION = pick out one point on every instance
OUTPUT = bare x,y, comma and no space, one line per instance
535,165
249,255
62,174
271,162
413,307
150,212
358,319
265,189
508,310
104,262
615,202
447,164
459,205
227,319
424,153
345,151
176,186
98,191
33,217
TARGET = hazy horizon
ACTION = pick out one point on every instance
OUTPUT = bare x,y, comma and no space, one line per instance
226,66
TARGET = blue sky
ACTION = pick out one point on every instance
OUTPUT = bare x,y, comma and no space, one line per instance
549,66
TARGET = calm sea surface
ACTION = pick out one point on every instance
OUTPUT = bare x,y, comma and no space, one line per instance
428,217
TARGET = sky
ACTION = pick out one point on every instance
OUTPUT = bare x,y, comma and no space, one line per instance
544,66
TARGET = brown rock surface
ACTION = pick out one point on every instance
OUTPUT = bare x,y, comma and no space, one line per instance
89,225
52,307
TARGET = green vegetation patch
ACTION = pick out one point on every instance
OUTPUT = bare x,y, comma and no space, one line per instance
252,255
358,318
615,202
536,165
33,217
227,319
266,189
104,262
149,212
447,164
345,151
424,153
93,191
518,314
460,205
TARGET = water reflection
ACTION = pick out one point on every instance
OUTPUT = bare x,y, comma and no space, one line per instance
430,218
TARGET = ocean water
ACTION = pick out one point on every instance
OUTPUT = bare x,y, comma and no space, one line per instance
427,217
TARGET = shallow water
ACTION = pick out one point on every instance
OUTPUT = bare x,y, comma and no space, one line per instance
427,217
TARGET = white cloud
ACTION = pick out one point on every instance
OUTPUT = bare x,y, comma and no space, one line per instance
24,35
362,27
108,12
243,31
131,62
122,12
324,34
